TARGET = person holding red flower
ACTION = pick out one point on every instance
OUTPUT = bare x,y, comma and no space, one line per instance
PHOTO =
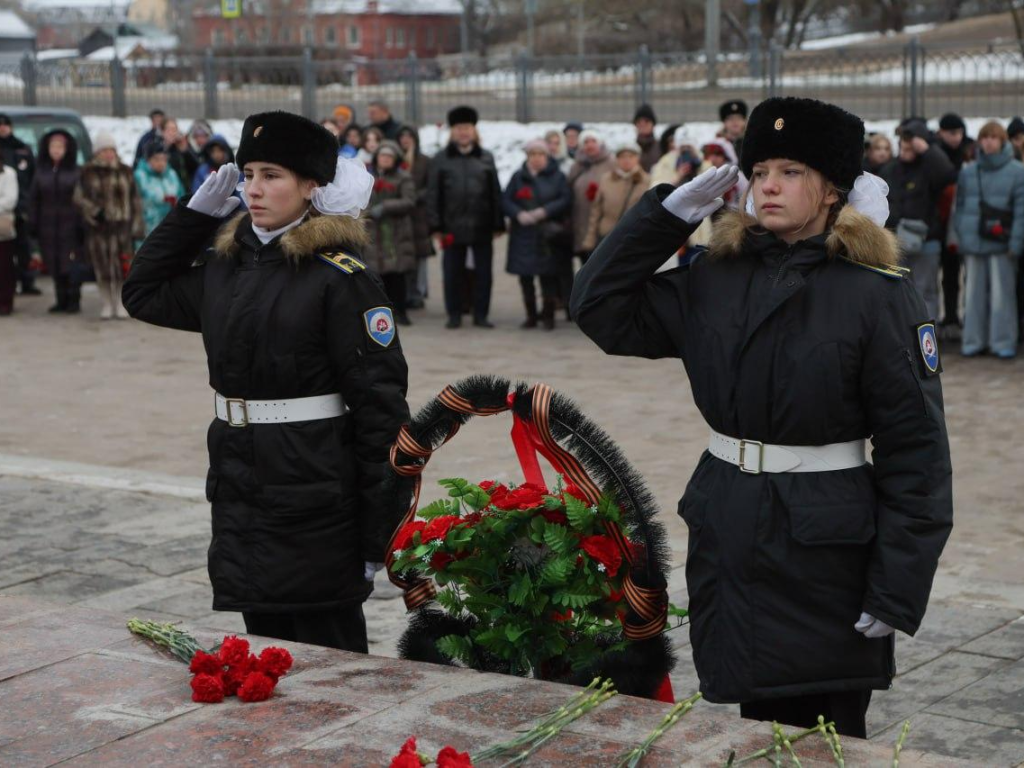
593,160
991,244
537,201
391,252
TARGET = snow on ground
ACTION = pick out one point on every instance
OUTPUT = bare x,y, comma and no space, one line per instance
505,139
859,37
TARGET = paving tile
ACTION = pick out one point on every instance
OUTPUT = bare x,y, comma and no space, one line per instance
67,586
1006,642
997,699
51,636
928,684
128,598
951,625
169,558
975,743
194,602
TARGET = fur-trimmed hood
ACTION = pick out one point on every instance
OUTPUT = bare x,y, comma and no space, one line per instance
315,235
853,236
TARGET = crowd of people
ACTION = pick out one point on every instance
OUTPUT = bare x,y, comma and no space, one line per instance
956,205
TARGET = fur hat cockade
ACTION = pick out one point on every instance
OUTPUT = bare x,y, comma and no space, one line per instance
828,139
463,114
300,145
734,107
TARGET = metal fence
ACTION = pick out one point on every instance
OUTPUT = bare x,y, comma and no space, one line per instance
875,82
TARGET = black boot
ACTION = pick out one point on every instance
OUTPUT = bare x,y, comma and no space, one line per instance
530,302
547,316
60,289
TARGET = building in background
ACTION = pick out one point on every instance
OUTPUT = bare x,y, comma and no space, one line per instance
155,13
359,29
64,23
16,37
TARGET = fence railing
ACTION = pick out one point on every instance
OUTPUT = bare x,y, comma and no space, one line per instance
875,82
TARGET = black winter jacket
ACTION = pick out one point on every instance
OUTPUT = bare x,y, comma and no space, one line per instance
790,345
464,196
297,505
543,248
915,188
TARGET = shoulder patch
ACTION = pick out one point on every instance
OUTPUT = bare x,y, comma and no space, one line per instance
929,347
896,273
344,262
380,325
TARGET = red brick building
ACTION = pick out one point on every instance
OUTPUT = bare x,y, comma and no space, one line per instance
357,29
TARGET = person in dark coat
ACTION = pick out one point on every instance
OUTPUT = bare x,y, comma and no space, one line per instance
464,207
959,148
18,155
391,250
155,133
644,121
734,122
215,153
54,219
417,165
1015,130
287,312
918,178
537,201
802,339
380,117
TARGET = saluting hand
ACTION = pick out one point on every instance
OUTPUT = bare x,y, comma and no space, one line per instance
214,196
699,198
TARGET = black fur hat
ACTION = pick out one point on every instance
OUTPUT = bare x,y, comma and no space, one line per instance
828,139
462,114
734,107
292,141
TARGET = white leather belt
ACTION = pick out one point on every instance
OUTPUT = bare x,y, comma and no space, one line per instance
240,413
755,457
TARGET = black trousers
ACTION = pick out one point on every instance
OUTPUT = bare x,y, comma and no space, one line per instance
341,628
454,268
847,709
951,262
395,286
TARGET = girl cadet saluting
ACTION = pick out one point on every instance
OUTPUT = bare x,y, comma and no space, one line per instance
801,340
310,377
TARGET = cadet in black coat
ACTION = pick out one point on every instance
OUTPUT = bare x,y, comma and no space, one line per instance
797,336
287,311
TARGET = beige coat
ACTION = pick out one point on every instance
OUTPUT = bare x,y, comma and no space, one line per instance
615,195
584,173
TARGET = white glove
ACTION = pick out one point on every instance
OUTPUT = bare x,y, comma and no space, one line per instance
370,570
699,198
872,628
214,196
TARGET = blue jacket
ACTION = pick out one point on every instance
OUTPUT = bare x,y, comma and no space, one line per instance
155,190
543,248
1003,180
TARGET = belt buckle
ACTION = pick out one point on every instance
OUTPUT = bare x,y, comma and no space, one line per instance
228,402
743,456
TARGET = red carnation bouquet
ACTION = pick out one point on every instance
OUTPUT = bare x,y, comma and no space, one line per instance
536,572
230,669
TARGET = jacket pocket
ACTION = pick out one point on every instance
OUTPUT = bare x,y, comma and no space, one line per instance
832,524
693,508
211,485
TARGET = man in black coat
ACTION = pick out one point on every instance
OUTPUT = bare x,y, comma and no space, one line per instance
959,148
300,505
917,178
380,117
18,155
155,133
464,206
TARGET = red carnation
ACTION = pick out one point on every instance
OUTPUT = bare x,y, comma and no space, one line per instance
233,650
274,662
524,193
486,485
555,516
615,596
448,240
383,186
567,616
404,538
591,192
449,758
256,687
204,663
471,519
407,756
603,550
440,560
438,528
997,229
207,689
236,674
525,496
